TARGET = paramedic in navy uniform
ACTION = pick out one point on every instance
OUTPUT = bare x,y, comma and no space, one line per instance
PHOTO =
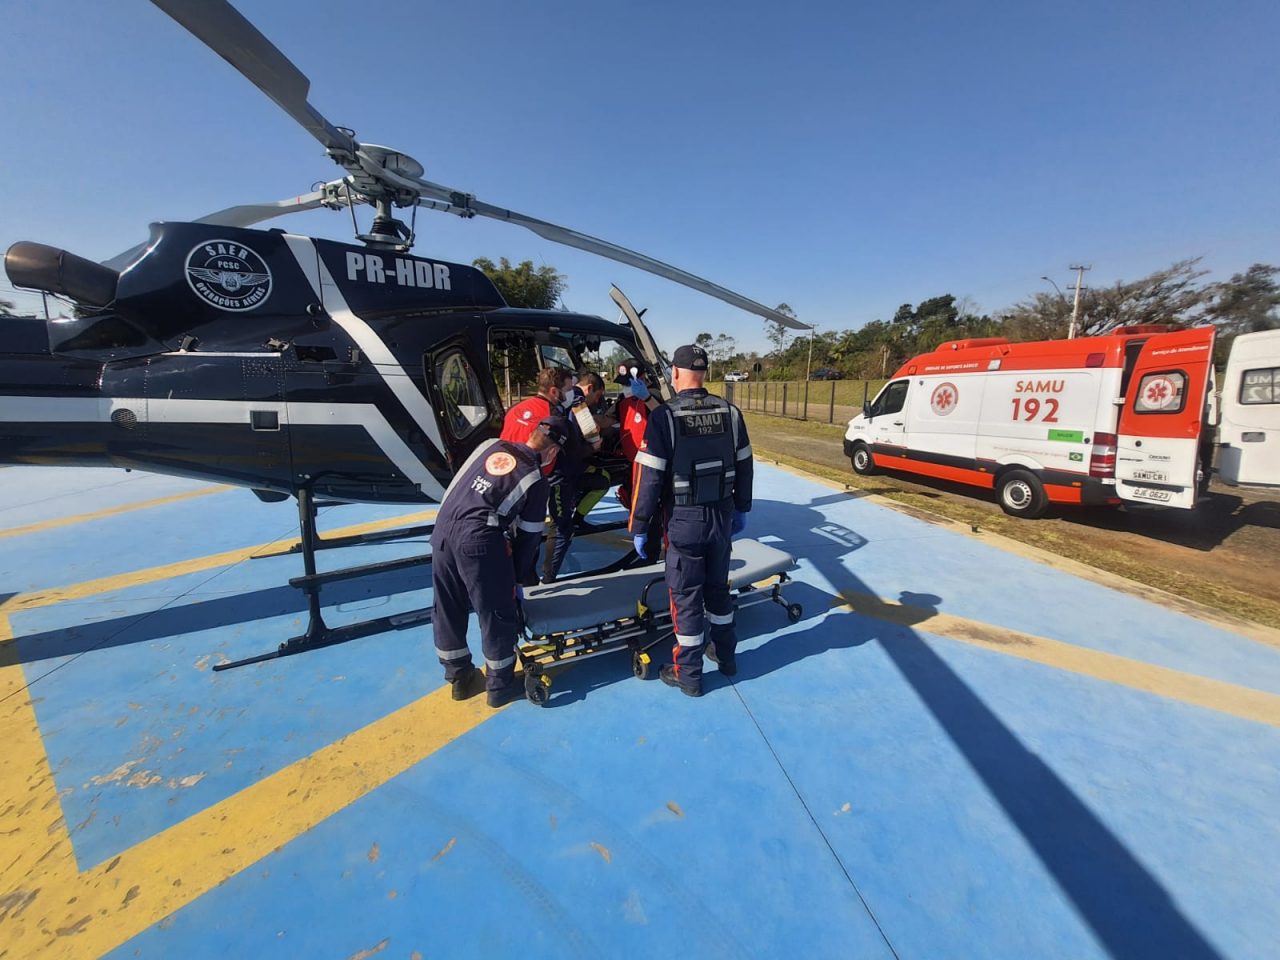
695,465
477,564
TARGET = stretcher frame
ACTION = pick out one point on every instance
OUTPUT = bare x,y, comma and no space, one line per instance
637,632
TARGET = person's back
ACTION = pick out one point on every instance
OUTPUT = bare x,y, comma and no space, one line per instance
524,417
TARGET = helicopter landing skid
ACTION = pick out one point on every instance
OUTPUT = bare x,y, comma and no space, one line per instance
319,634
381,536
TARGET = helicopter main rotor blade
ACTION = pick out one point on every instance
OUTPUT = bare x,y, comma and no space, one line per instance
247,214
441,198
223,29
332,195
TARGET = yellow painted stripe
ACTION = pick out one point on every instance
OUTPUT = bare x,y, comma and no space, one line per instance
121,581
114,901
35,846
110,512
1229,698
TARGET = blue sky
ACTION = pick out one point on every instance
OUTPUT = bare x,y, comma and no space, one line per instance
841,157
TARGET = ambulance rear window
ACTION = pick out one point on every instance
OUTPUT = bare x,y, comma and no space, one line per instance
1260,386
1164,392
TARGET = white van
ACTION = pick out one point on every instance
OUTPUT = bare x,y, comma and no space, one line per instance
1249,430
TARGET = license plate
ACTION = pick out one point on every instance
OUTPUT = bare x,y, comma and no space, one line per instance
1150,493
1154,476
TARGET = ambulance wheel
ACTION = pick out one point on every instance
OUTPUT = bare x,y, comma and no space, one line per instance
1022,495
794,612
640,665
535,689
863,463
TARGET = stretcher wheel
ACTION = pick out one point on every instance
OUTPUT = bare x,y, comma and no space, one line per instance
794,612
536,689
640,664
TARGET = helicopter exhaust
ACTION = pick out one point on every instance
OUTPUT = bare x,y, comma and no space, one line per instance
48,269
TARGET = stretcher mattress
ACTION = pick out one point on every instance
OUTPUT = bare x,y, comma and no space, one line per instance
590,601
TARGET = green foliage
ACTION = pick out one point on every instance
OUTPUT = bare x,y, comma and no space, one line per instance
776,333
1247,302
522,285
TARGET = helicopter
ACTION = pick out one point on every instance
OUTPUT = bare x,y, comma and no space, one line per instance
295,366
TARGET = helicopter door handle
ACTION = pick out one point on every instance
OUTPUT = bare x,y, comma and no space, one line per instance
264,420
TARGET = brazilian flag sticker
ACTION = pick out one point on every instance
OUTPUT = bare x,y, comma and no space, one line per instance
1076,457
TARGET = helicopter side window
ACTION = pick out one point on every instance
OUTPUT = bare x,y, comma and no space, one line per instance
464,405
553,356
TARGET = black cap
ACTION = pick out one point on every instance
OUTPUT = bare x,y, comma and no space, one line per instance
556,429
690,357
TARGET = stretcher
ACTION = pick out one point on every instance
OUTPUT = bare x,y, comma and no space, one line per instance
589,616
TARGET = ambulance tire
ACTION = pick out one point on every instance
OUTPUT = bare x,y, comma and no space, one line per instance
863,463
1021,494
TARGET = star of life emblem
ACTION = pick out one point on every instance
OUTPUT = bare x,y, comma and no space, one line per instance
499,464
944,399
228,275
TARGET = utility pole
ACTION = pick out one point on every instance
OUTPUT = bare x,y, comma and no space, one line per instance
1075,309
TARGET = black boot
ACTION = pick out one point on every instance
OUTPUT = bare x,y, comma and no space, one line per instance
668,675
728,666
501,696
467,684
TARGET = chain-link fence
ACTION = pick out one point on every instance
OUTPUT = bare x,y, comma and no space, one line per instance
826,401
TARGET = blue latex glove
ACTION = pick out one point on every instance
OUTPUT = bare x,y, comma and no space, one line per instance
640,540
520,593
639,389
739,523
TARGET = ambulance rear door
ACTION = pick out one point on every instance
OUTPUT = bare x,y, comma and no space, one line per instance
1158,449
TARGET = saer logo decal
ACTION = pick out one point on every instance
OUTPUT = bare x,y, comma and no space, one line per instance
228,275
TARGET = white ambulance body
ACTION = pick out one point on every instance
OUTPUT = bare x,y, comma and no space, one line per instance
1089,421
1249,430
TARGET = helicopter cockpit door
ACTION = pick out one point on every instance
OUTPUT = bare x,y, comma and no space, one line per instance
469,412
644,340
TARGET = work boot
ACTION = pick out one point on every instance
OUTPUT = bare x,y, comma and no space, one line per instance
467,684
501,696
668,675
728,666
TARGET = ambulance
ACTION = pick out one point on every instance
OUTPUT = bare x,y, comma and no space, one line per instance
1123,417
1249,430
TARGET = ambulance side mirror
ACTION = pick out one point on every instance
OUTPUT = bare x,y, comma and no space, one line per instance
866,409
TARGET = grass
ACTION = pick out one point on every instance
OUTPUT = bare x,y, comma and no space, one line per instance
771,434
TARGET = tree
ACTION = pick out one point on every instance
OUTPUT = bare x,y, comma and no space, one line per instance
1246,303
724,347
776,333
522,285
1172,295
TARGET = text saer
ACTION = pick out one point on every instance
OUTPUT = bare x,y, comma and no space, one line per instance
403,271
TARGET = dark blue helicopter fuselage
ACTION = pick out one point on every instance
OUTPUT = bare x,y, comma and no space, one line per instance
270,361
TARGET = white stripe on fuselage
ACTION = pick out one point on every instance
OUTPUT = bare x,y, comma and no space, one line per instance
99,410
379,354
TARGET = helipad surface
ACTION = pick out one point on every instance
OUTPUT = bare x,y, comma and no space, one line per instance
957,752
